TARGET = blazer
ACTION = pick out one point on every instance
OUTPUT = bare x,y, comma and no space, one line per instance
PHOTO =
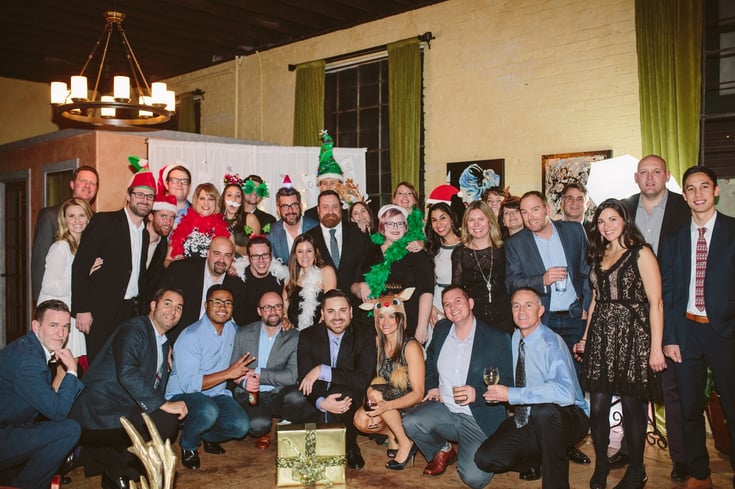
354,248
355,362
25,385
490,347
280,369
153,275
719,288
676,213
278,240
188,276
121,379
525,268
43,237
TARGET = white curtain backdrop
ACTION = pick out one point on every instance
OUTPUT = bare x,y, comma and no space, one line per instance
208,162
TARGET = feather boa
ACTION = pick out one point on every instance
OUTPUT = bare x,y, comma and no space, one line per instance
310,288
277,268
378,275
195,232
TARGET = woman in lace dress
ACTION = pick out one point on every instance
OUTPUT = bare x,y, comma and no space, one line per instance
621,348
479,266
308,278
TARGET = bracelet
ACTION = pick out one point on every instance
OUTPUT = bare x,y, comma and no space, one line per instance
583,340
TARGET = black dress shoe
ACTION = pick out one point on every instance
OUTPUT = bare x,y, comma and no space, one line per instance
114,482
575,455
618,460
213,447
70,462
354,458
680,472
532,474
190,459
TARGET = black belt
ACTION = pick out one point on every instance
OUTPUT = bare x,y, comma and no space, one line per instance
132,300
559,313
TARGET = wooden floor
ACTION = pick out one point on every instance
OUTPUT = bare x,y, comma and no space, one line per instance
244,466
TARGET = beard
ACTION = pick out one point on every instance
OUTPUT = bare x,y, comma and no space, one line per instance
331,220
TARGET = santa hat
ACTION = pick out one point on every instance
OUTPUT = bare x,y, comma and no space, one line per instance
165,203
287,182
143,176
328,166
442,193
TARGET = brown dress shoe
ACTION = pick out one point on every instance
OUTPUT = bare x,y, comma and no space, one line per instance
440,462
694,483
263,442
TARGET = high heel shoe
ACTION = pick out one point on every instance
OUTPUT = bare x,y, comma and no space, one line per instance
393,465
599,477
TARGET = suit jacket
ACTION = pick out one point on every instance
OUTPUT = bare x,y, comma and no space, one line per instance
490,347
278,240
525,268
153,275
122,376
354,247
719,288
355,362
280,369
676,213
25,385
43,237
188,277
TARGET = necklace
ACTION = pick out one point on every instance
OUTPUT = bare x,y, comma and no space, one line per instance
487,279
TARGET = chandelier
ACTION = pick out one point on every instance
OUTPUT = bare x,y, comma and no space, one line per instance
137,105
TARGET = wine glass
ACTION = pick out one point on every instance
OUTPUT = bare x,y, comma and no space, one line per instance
491,376
370,404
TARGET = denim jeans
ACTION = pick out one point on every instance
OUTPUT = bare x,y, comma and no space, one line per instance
214,419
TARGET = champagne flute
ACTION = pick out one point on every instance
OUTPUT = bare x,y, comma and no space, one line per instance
370,404
491,376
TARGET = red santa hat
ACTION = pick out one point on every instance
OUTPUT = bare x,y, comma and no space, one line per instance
165,203
143,176
442,193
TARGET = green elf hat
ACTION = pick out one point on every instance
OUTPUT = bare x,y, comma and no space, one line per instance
142,176
328,166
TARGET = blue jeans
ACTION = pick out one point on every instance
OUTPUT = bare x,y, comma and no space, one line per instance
213,419
571,330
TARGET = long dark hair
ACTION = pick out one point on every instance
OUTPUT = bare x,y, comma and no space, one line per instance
630,236
433,240
294,269
382,342
238,223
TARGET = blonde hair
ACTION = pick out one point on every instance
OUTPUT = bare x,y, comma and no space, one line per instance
496,237
210,190
62,230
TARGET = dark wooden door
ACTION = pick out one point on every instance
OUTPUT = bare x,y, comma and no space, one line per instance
16,258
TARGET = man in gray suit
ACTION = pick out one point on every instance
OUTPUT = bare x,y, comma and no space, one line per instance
274,350
291,223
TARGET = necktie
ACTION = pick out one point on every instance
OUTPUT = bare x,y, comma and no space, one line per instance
521,412
159,373
334,247
700,270
335,352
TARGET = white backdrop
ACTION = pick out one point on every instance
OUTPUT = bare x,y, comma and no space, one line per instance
208,162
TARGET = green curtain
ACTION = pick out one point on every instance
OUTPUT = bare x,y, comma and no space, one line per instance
404,98
187,114
308,117
669,42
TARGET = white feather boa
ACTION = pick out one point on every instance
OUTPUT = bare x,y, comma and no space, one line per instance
277,268
310,288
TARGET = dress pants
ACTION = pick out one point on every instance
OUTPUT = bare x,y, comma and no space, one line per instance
431,425
261,415
571,330
215,419
545,438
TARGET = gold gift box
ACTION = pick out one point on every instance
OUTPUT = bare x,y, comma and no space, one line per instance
309,455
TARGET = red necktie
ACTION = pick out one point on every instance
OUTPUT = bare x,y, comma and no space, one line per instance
700,270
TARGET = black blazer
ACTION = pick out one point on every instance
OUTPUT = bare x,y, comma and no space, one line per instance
188,276
153,275
122,376
676,213
355,362
719,288
354,247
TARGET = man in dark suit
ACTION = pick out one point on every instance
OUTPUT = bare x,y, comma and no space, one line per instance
291,223
193,276
83,186
658,212
129,378
103,300
453,409
341,244
31,451
336,362
160,223
274,368
697,269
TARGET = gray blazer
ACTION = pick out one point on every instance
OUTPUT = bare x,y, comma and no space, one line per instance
281,368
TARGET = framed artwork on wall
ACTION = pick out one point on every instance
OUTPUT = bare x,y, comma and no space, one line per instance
557,170
473,177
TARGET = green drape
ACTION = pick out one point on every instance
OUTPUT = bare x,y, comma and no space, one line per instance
404,96
187,115
308,117
669,42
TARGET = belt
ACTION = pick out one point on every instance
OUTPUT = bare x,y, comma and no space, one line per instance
697,319
559,313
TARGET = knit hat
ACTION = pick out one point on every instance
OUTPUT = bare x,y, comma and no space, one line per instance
143,176
328,166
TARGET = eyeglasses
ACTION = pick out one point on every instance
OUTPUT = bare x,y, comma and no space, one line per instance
177,181
220,303
263,256
396,225
269,308
142,195
285,207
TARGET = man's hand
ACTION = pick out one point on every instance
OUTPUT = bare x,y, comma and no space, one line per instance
330,404
496,393
84,322
66,357
432,395
240,367
307,384
673,352
252,382
175,407
464,394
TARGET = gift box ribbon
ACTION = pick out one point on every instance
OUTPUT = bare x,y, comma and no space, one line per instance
308,467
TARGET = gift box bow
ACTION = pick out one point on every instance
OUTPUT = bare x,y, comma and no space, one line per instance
308,467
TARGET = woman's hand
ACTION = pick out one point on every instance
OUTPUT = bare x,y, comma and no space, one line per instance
436,316
422,334
415,246
98,262
579,350
364,291
657,361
